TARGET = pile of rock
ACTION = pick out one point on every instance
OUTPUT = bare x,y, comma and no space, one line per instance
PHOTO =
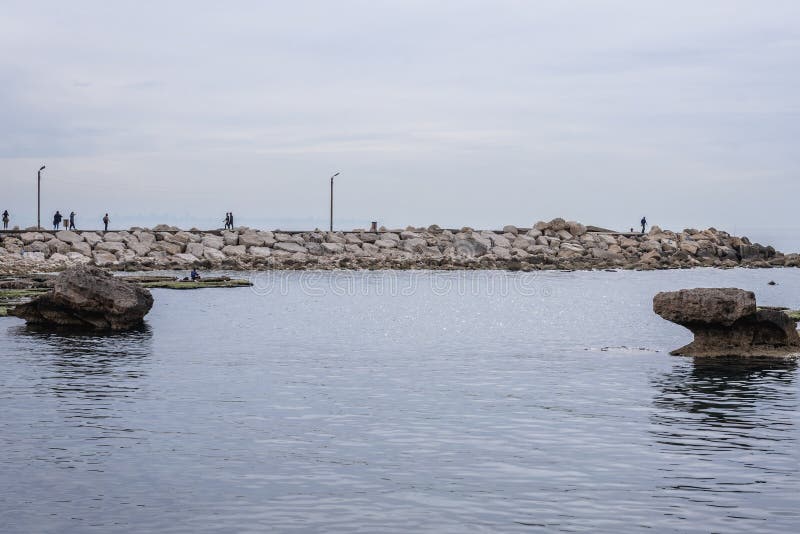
557,244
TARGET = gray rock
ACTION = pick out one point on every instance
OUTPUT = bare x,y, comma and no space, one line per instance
103,259
230,238
29,237
234,250
68,237
195,249
213,241
251,240
82,248
705,305
726,322
84,296
213,254
294,248
113,237
332,248
386,243
260,252
91,238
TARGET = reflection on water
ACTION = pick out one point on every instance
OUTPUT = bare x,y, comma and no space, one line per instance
88,365
727,427
723,395
79,381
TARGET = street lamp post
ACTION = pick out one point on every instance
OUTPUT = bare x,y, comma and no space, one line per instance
332,177
39,198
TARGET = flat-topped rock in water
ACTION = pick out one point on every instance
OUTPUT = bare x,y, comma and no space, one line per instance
726,322
88,297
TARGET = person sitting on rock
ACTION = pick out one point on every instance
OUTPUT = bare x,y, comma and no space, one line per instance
194,275
57,220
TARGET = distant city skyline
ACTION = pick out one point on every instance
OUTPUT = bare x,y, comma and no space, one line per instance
455,113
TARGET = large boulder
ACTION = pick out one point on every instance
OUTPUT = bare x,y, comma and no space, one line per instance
726,322
88,297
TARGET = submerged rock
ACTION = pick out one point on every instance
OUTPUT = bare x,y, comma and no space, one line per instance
88,297
726,322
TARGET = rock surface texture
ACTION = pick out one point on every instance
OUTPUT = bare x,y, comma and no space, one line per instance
558,244
88,297
726,322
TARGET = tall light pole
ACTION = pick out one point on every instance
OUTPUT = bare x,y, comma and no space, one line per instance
332,177
39,198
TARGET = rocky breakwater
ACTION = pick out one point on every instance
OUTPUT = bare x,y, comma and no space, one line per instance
726,322
557,244
88,297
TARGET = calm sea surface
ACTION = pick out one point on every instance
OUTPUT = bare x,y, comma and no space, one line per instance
398,402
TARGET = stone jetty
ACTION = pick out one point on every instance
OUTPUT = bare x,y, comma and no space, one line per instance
557,244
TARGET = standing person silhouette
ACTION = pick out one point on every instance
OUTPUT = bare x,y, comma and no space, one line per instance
644,223
230,219
72,220
227,220
6,218
57,218
105,221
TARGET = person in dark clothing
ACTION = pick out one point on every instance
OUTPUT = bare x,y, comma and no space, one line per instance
227,220
194,275
6,218
105,221
230,219
57,218
644,223
72,220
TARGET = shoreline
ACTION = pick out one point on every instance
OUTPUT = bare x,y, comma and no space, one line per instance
553,245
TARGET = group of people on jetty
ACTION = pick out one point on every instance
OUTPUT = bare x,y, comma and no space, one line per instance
69,223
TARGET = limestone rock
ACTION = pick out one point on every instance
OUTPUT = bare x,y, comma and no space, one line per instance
234,250
705,305
332,248
68,237
251,240
103,259
29,237
91,238
213,241
213,254
260,252
294,248
726,322
84,296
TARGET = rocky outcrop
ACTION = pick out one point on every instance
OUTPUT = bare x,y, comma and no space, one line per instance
557,244
726,322
88,297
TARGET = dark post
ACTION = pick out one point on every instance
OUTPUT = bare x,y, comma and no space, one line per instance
332,177
39,198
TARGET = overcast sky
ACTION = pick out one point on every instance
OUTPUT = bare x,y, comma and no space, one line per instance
450,112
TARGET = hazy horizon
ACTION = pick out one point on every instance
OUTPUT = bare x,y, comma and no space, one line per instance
455,113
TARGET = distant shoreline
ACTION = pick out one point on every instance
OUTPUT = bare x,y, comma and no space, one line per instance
553,245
